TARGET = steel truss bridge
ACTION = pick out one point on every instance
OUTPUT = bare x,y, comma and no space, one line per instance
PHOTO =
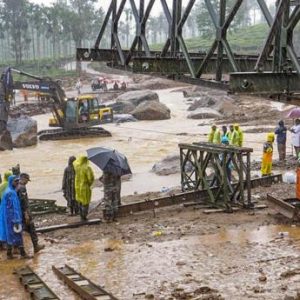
274,71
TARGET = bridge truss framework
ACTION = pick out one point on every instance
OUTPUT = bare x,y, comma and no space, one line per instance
275,70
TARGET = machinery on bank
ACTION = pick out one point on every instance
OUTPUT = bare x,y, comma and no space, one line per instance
73,117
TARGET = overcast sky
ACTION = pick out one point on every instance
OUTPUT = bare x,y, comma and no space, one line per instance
105,4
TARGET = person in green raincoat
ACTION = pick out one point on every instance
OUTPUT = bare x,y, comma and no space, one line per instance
4,184
84,178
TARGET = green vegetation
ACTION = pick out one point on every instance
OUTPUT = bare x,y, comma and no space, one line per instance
44,68
244,40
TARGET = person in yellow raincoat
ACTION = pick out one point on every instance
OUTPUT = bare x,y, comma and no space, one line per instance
215,135
237,137
84,178
266,164
4,184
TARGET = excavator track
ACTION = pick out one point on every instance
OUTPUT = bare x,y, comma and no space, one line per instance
61,134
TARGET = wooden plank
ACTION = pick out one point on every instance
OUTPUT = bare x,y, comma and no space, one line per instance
70,225
220,210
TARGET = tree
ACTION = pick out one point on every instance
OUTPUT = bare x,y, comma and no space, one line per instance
82,15
14,16
205,23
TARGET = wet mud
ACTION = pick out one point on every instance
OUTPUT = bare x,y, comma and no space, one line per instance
231,264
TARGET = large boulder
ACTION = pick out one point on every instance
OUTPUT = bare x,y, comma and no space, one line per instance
5,141
152,110
137,97
204,113
124,107
169,165
204,101
122,118
23,131
226,107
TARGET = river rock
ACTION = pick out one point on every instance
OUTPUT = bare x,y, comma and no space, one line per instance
23,131
205,101
122,118
169,165
226,107
124,107
152,110
6,141
204,113
137,97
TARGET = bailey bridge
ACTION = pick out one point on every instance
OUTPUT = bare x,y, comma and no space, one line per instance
273,71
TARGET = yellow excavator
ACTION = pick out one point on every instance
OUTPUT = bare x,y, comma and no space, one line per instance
75,117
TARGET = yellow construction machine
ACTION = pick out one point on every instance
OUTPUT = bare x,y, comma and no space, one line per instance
75,117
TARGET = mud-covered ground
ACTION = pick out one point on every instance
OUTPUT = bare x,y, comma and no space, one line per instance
178,253
181,252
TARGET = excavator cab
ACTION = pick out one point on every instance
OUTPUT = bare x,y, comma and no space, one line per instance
83,111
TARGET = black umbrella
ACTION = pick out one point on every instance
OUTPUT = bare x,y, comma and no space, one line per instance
109,160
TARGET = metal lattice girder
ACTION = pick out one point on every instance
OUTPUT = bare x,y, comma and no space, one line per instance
220,43
280,37
265,83
278,54
204,166
169,65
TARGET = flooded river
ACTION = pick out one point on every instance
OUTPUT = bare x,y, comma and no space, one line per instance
131,271
144,143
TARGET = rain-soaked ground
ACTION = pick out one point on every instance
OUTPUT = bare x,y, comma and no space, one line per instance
144,143
263,263
220,257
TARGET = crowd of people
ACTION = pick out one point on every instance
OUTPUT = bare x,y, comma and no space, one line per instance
234,136
15,214
78,178
77,184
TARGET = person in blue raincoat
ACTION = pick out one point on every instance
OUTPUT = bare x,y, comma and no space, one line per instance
11,219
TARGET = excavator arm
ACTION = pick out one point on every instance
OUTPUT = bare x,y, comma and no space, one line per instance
46,86
65,110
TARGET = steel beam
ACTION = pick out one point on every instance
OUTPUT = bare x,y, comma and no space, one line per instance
264,83
168,65
285,208
199,196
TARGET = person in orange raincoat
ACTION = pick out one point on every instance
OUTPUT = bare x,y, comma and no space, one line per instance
266,164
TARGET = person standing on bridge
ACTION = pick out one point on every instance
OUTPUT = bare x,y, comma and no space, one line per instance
215,135
68,187
237,137
28,221
84,178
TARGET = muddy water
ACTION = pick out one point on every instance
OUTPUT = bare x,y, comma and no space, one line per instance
132,270
144,143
